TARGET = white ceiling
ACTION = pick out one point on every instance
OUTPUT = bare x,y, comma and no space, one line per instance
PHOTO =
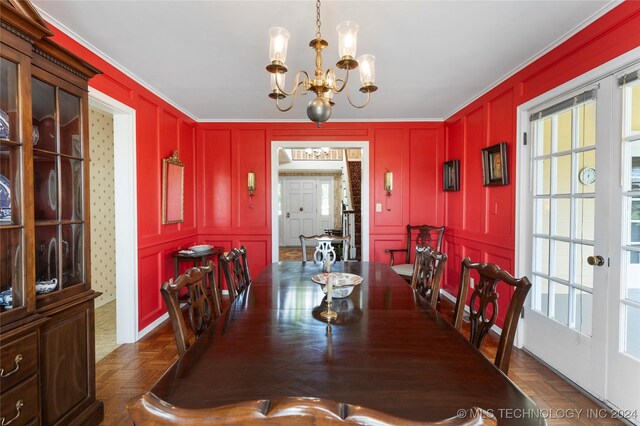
208,58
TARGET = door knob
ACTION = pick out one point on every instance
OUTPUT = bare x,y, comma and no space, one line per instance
288,215
595,260
301,209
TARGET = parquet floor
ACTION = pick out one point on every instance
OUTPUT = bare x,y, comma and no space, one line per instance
132,369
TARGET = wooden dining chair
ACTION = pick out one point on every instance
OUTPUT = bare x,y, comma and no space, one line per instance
417,235
234,273
324,248
483,306
201,310
245,264
428,268
212,288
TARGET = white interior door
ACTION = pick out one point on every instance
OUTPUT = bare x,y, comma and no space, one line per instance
583,230
300,204
623,385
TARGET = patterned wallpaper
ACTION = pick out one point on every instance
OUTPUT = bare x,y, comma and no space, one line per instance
103,235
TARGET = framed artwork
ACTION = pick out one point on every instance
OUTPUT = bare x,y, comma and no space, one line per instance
172,190
451,175
494,165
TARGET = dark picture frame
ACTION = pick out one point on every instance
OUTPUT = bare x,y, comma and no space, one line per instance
172,190
495,170
451,175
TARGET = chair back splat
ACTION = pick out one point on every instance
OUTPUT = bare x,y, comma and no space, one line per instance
201,310
236,271
483,306
324,248
428,268
212,288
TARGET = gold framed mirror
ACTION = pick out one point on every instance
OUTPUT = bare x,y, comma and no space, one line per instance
172,190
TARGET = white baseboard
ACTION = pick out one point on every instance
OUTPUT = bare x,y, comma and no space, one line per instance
101,302
151,326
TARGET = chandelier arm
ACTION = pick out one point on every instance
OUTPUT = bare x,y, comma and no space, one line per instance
358,106
296,84
293,98
344,83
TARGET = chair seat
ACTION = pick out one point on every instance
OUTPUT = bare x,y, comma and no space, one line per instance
404,270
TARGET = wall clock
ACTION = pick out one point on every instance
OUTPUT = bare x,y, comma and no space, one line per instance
587,176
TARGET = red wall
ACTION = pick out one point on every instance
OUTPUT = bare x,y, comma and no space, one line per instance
481,220
228,151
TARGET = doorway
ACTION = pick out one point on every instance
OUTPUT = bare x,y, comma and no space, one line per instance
577,233
124,213
311,186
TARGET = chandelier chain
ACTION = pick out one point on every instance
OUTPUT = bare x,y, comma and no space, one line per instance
318,35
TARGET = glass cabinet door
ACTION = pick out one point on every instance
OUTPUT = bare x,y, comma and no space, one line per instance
58,188
11,219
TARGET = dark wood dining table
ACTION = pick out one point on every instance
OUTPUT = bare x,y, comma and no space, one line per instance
387,351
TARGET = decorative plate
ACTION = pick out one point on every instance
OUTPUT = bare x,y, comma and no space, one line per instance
4,125
35,135
5,198
340,279
201,247
6,299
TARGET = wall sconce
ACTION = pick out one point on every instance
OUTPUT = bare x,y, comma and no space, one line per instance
388,182
251,185
388,186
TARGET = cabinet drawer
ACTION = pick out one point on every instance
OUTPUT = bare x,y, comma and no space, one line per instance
20,403
19,361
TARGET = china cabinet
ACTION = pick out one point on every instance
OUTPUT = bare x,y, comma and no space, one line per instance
47,359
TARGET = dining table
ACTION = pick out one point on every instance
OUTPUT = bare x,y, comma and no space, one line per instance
387,357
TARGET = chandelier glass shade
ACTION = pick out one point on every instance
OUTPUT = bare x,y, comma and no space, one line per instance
324,84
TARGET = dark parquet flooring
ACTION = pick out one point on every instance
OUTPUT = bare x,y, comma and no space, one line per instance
132,369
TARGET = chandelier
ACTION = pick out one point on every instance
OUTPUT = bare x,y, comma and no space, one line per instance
323,84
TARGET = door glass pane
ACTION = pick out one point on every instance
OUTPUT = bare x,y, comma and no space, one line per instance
561,303
583,271
631,281
10,269
542,216
44,115
543,136
543,174
46,253
585,216
45,187
9,100
541,255
541,299
10,185
561,260
586,159
71,186
70,125
632,181
72,254
635,107
583,303
586,116
632,331
562,215
563,175
565,126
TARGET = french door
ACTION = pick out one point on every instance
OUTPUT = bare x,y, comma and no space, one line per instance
583,315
